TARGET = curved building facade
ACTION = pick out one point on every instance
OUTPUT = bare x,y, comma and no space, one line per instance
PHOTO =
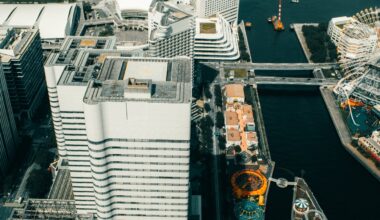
229,9
215,39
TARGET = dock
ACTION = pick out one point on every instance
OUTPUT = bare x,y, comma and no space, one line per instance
302,40
344,133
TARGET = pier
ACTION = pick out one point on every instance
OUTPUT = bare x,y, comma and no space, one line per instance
303,192
344,134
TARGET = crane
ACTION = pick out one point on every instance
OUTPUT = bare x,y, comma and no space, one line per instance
276,20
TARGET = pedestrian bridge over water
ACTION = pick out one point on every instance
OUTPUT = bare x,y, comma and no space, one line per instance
271,80
272,66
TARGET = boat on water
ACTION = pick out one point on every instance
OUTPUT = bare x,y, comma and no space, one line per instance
295,1
248,25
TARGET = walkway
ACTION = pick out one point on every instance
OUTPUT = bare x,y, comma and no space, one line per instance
271,80
273,66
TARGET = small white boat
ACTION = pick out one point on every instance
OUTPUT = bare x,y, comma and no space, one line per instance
295,1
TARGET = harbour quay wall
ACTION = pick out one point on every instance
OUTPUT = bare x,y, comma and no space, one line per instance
343,132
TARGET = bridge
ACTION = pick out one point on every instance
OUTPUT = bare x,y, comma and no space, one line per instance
282,182
270,80
272,66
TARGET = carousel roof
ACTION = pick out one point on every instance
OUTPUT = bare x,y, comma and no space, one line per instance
247,210
301,203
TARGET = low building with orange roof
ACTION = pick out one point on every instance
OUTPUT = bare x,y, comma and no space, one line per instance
252,139
233,137
231,120
248,115
234,93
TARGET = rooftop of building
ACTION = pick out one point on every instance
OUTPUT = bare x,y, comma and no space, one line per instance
207,27
82,65
53,20
135,5
251,136
231,118
14,41
233,135
234,90
69,53
211,27
149,79
168,14
88,42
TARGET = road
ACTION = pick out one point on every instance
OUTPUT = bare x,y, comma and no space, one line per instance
216,156
41,133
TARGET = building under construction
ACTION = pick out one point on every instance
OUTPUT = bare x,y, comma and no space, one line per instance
54,209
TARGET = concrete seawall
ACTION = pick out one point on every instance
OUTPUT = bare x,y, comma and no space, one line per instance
344,134
242,28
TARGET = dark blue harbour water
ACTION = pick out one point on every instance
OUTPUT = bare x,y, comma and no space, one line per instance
301,135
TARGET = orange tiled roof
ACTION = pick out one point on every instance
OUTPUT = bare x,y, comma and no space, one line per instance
251,136
231,118
235,90
233,135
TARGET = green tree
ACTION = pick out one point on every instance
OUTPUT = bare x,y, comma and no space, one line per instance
207,107
219,119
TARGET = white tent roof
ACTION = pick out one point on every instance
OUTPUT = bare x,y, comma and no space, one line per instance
25,15
142,5
53,20
5,11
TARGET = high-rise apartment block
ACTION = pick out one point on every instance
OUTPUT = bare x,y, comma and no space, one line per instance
229,9
215,39
8,130
171,31
21,57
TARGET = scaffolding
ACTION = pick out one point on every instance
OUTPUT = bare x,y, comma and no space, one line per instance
35,209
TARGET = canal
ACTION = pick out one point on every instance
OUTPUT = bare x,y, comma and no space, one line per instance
301,135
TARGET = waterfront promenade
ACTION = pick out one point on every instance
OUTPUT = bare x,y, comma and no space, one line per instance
343,132
302,40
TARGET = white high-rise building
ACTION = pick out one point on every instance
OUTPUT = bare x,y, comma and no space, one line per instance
171,31
215,39
8,130
138,126
126,135
229,9
67,73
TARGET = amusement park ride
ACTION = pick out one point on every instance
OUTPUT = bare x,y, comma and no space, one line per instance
276,20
